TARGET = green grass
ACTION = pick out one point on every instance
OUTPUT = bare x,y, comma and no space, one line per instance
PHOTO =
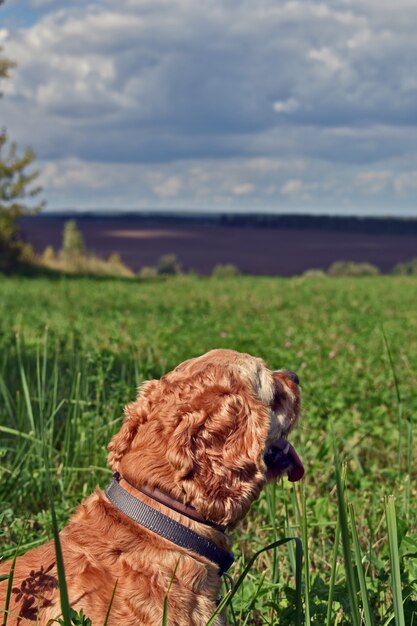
72,352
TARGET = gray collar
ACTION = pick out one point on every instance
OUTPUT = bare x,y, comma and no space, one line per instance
166,527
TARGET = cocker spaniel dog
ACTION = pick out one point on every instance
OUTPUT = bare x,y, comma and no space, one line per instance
193,453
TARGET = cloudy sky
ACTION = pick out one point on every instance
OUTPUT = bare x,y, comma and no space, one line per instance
231,105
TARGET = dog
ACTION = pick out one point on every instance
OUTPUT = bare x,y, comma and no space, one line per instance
192,455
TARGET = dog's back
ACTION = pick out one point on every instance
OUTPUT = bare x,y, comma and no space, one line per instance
102,547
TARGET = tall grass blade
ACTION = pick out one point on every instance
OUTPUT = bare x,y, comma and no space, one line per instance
397,393
304,536
63,591
28,400
253,600
369,619
409,449
10,576
288,532
299,559
333,572
407,491
18,433
388,620
40,450
344,528
165,612
111,603
42,393
298,578
9,589
395,560
7,398
165,609
272,507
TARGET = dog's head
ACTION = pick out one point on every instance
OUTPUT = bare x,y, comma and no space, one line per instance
211,433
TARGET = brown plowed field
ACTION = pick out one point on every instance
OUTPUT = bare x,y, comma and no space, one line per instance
200,247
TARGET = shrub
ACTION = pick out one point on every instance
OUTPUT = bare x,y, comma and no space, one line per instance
27,253
148,272
225,270
116,267
314,273
114,259
351,268
406,268
72,241
88,265
168,265
48,255
94,266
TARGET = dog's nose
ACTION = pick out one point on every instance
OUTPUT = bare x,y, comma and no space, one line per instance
293,376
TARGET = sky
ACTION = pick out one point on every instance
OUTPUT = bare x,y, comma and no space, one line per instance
220,105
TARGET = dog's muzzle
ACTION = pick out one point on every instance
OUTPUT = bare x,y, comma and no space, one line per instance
281,458
293,376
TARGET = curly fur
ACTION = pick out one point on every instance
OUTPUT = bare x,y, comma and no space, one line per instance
198,433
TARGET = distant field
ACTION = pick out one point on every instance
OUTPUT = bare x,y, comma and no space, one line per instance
74,350
254,250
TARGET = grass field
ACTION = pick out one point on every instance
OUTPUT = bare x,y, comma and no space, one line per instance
74,350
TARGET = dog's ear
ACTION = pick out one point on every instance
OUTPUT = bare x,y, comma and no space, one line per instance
217,453
135,414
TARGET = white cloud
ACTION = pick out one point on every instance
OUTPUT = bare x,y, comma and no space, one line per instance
168,188
286,106
406,182
223,103
243,189
218,184
375,182
328,58
292,187
74,173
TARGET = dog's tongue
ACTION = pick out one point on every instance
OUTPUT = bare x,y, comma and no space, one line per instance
296,468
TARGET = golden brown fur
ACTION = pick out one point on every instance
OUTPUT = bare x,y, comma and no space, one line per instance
199,434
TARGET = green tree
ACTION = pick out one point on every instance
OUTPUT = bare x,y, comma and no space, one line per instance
73,245
406,268
17,188
226,270
352,268
168,265
5,65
